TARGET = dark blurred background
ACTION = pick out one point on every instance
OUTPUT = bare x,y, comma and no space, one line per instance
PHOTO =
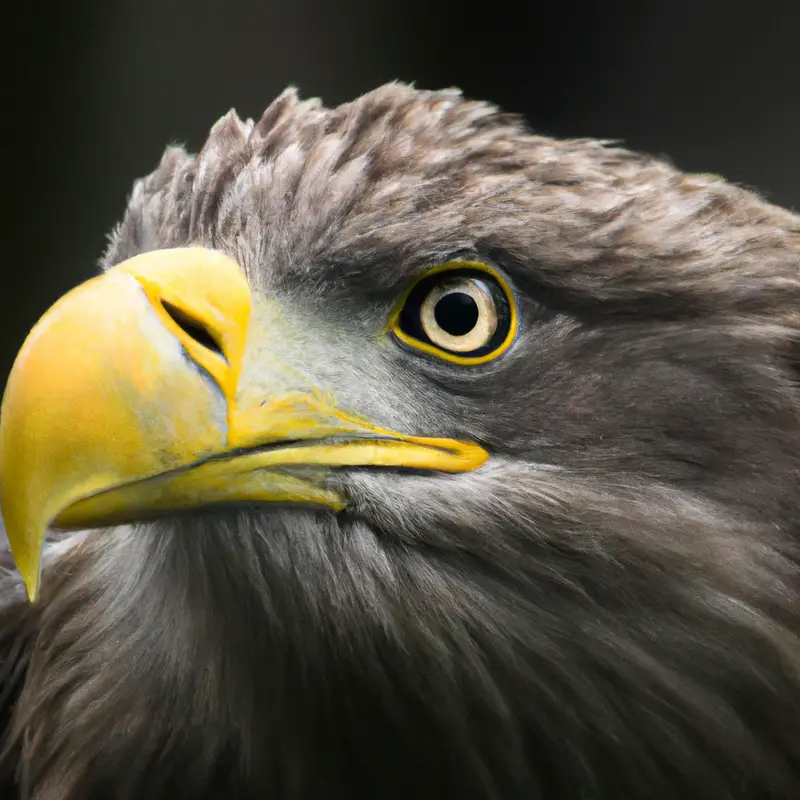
95,90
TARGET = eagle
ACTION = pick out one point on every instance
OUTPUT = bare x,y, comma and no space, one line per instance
399,451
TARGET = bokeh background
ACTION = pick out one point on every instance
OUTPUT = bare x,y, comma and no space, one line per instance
94,90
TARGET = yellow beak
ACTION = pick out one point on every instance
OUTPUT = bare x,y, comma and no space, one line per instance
126,402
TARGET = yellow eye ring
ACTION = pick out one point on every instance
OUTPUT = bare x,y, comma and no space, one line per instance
482,294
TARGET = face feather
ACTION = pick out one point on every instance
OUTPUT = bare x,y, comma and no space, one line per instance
607,608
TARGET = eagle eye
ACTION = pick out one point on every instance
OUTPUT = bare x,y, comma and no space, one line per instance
462,311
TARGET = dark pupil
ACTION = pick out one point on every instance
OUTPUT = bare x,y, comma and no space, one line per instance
456,313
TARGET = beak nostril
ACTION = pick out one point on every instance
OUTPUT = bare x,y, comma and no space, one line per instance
194,329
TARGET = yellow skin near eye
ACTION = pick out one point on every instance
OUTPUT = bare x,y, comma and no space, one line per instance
432,350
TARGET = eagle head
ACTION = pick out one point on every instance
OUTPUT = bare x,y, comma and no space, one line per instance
413,455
